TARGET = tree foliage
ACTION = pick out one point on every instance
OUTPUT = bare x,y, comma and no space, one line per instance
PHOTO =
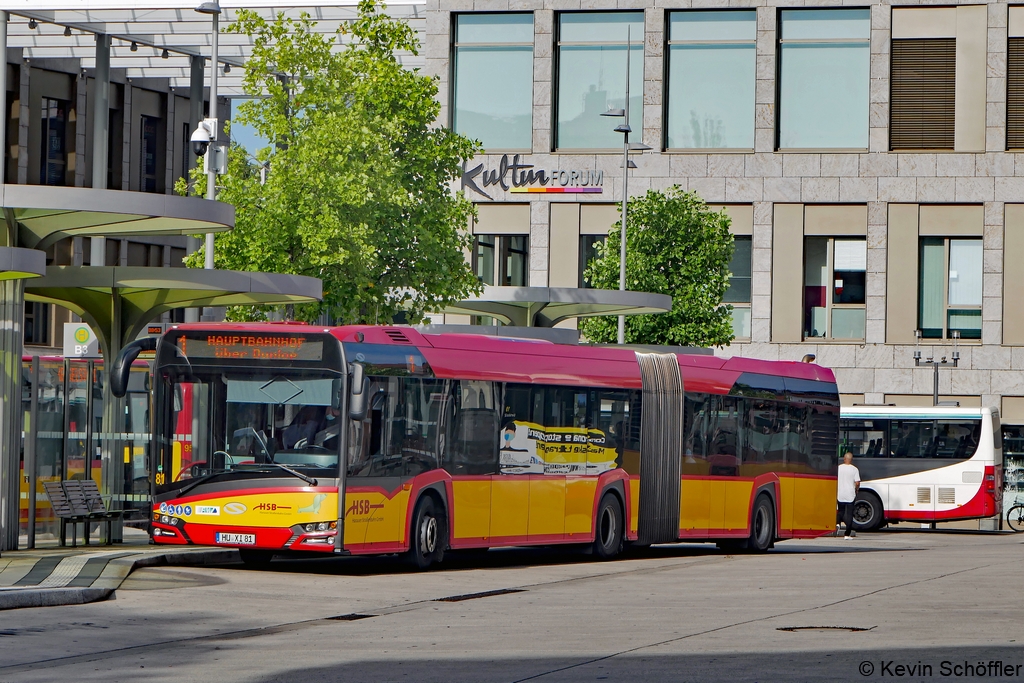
357,191
675,245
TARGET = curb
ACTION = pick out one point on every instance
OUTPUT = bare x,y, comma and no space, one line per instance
115,572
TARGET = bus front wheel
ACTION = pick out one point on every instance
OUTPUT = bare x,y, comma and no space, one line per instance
762,525
608,534
429,534
867,512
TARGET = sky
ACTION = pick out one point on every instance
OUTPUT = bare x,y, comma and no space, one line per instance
242,134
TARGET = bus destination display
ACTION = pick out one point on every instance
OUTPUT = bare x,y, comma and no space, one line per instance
242,346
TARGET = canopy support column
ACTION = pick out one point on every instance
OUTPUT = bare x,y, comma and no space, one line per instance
100,124
114,424
12,313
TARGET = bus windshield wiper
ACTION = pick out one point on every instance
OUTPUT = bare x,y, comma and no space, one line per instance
295,473
200,480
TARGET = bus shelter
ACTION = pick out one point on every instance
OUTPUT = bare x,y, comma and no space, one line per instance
118,303
548,306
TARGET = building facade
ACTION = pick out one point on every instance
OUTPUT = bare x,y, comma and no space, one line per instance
871,158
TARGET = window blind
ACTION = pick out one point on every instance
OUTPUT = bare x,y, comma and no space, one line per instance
1015,94
923,84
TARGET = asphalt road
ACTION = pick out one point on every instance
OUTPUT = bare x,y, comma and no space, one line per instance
938,602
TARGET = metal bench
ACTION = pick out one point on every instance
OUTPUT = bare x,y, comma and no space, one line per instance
65,512
79,500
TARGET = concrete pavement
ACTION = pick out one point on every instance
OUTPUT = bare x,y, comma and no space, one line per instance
51,577
677,613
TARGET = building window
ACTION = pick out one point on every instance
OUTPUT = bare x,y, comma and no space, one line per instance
148,160
922,88
825,59
1015,94
738,294
115,146
711,74
37,323
54,156
493,80
588,252
834,287
592,77
502,259
483,257
950,288
186,150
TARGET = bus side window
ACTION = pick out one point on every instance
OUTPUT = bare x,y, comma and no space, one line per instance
473,447
695,409
724,439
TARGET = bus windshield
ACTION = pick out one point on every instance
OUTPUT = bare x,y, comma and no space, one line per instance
228,420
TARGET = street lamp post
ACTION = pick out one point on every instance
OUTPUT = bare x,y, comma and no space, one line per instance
213,9
936,364
626,165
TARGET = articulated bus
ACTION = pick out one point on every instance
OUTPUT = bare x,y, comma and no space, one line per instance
458,441
933,464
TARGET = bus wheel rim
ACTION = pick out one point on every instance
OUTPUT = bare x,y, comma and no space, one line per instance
760,524
607,527
428,535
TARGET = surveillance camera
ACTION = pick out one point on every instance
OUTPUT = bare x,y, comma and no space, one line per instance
204,133
200,140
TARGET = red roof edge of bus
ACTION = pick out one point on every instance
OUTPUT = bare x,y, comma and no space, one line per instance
784,368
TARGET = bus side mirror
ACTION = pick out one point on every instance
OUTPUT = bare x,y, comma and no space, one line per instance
123,364
358,401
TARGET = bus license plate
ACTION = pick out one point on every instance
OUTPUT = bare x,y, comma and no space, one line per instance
236,539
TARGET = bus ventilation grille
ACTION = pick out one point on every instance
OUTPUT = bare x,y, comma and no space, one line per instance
946,496
396,335
924,494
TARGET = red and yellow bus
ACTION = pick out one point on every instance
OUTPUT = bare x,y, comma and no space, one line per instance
455,441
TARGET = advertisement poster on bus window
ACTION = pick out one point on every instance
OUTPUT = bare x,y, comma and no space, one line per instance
529,448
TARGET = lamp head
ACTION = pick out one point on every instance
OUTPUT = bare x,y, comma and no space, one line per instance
615,112
212,7
623,128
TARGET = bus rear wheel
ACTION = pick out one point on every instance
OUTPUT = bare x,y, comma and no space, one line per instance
867,512
608,534
429,535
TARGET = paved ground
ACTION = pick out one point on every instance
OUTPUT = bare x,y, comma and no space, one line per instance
679,613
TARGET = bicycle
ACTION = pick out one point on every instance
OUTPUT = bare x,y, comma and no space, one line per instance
1015,515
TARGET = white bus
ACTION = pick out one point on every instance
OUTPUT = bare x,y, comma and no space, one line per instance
933,464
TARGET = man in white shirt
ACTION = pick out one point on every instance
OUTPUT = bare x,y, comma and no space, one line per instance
846,491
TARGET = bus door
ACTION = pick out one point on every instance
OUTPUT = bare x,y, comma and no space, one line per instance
517,459
913,440
472,458
729,495
561,445
695,489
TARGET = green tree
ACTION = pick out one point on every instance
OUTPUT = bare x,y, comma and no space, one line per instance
675,245
357,191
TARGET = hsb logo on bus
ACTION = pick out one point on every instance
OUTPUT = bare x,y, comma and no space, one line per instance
271,507
362,506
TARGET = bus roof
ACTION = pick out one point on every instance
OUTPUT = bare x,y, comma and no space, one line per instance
913,412
488,357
